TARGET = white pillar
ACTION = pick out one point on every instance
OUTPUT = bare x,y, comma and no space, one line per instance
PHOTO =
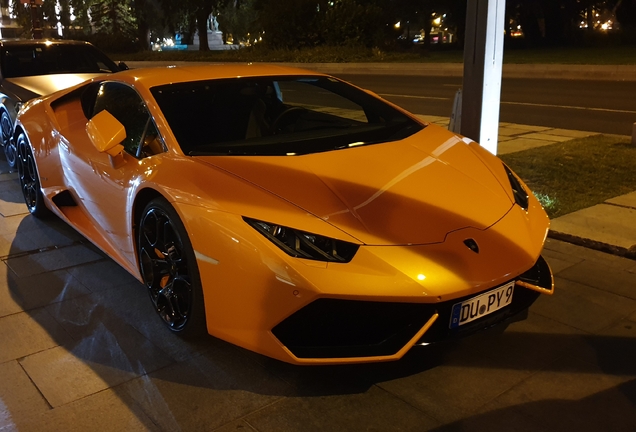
483,58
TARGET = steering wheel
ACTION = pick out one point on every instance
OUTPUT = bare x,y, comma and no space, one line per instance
286,116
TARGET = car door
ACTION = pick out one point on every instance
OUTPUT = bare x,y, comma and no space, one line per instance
106,188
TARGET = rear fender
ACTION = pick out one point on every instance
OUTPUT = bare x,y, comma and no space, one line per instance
10,106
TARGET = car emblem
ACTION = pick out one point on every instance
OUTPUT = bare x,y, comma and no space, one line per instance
472,245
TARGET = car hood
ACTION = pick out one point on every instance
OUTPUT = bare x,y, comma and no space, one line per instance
46,84
413,191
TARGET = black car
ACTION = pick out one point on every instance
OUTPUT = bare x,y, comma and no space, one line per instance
32,68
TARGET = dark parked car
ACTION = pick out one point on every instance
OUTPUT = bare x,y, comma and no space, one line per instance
32,68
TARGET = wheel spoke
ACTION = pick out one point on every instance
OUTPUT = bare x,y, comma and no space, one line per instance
27,173
164,268
173,302
29,192
165,306
6,130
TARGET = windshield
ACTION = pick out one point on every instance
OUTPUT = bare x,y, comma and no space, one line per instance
42,59
290,115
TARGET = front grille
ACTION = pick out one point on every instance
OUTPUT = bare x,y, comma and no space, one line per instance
333,328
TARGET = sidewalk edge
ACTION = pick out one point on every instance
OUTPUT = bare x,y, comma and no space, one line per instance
593,244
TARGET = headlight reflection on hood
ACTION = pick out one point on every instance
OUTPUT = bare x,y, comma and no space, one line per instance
301,244
519,192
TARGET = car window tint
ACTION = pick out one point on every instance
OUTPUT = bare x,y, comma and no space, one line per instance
304,94
125,104
286,115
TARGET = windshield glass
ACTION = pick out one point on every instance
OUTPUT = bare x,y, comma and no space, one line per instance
290,115
41,59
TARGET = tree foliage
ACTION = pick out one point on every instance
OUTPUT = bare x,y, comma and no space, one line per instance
354,22
294,24
239,19
291,23
191,14
626,14
113,17
148,15
22,16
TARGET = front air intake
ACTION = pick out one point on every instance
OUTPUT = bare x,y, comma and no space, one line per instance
333,328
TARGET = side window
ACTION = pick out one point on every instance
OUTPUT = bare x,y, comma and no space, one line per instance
120,100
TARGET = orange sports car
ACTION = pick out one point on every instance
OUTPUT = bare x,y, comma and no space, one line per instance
285,211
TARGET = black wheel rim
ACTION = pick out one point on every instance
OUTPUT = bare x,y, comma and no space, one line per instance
7,131
27,173
164,268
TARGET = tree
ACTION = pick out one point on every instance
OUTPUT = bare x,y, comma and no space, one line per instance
202,11
349,22
239,19
195,12
113,17
147,15
179,16
23,16
626,14
80,10
291,23
65,15
419,15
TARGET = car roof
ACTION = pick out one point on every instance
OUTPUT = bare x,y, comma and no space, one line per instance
18,42
151,77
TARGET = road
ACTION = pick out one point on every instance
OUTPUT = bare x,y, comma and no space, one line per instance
596,106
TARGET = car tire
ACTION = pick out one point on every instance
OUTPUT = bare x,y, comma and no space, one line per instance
169,269
29,178
6,129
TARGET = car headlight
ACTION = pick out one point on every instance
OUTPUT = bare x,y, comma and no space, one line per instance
519,192
301,244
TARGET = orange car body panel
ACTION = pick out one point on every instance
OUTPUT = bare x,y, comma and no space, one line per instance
370,195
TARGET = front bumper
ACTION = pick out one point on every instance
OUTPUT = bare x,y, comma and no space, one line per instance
334,330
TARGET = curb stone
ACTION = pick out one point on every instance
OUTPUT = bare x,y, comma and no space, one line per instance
593,244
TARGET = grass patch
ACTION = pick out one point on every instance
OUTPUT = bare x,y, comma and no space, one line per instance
577,174
325,54
611,55
320,54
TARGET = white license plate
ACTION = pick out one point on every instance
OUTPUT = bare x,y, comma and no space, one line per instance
482,305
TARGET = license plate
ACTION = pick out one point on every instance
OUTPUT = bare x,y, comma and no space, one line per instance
482,305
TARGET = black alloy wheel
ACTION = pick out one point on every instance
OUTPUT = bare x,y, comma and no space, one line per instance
169,269
6,128
29,178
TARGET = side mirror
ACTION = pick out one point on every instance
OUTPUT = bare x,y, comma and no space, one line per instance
122,66
106,133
